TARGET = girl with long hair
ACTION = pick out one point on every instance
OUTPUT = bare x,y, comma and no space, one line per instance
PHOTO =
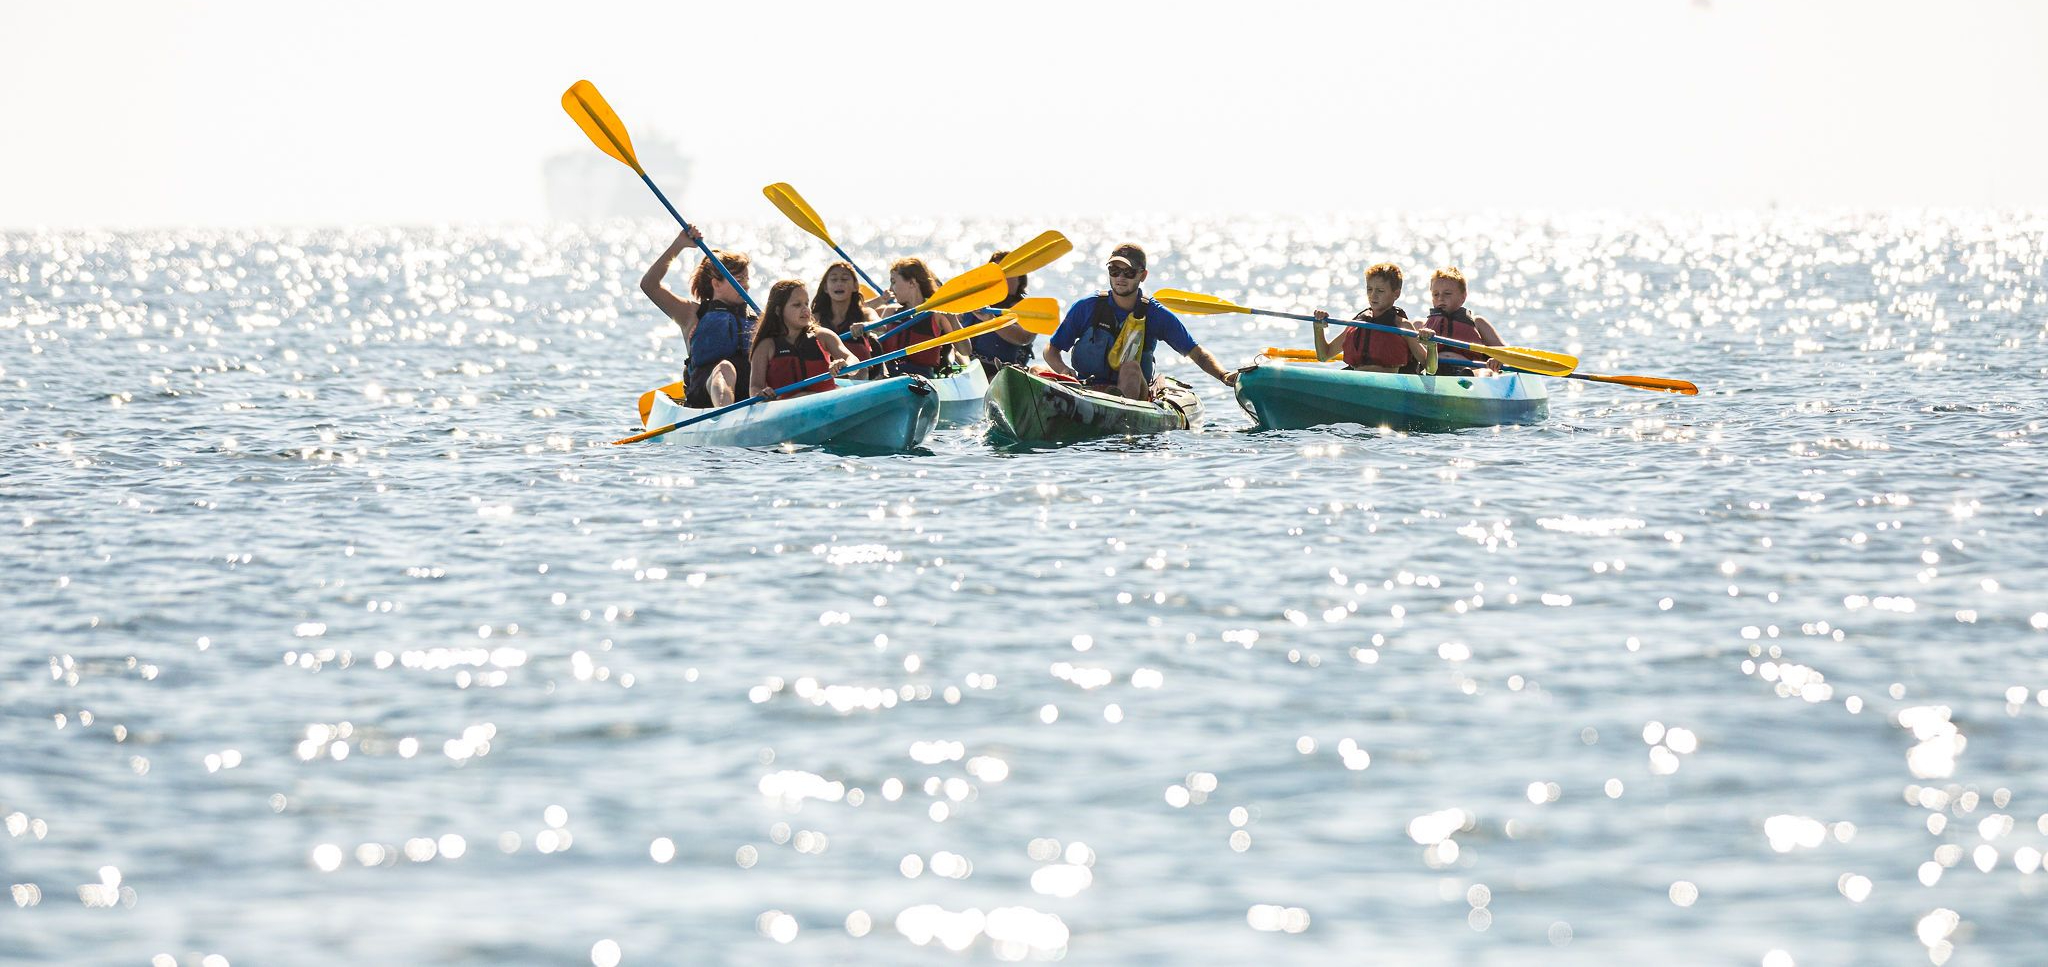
790,345
910,283
837,307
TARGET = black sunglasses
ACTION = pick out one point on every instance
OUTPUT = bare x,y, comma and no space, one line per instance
1122,272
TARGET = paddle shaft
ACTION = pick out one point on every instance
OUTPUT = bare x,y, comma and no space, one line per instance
1659,383
821,377
706,249
1469,364
899,327
856,267
597,115
1396,330
905,324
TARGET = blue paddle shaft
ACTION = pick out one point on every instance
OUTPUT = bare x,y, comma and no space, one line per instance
905,324
856,269
715,262
1396,330
1468,364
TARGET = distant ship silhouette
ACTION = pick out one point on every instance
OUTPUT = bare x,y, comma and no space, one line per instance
588,186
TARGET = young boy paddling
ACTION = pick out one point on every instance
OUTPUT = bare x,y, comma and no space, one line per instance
1449,318
716,326
1372,350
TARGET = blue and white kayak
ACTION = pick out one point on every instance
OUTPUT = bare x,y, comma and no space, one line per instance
868,416
963,395
1291,396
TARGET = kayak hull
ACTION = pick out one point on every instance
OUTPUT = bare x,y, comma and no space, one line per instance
1292,396
963,396
879,416
1026,407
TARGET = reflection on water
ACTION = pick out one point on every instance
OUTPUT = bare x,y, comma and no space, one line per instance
336,631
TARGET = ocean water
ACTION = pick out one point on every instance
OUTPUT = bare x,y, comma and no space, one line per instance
336,632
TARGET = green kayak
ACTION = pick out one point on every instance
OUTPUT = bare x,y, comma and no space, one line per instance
1292,396
1036,409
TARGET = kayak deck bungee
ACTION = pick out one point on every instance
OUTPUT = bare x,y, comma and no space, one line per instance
963,393
1292,396
871,416
1035,408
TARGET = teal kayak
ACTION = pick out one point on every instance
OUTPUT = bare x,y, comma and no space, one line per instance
1031,408
1283,395
878,416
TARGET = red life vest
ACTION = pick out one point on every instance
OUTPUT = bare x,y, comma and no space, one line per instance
1456,324
799,360
863,348
925,327
1371,347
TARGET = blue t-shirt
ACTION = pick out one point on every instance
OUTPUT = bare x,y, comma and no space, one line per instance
1161,325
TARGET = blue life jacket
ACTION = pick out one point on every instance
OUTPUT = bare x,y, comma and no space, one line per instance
991,345
1091,350
723,332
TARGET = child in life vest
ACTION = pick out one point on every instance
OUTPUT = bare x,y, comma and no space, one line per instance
1449,318
911,282
1372,350
837,307
791,346
716,324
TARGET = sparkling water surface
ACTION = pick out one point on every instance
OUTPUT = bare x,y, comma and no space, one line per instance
336,631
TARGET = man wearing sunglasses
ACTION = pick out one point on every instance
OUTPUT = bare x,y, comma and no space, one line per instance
1112,334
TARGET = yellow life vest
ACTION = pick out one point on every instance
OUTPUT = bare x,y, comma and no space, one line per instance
1130,340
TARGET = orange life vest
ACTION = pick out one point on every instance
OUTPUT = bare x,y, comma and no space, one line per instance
1456,324
1371,347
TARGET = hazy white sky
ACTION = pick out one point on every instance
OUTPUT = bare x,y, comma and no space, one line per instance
170,113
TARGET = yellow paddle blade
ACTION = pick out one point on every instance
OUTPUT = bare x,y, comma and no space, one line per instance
1036,254
598,121
675,392
1195,303
977,289
867,294
1276,353
1038,315
964,332
799,211
1533,360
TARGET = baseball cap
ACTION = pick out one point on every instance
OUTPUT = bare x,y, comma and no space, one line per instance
1128,254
